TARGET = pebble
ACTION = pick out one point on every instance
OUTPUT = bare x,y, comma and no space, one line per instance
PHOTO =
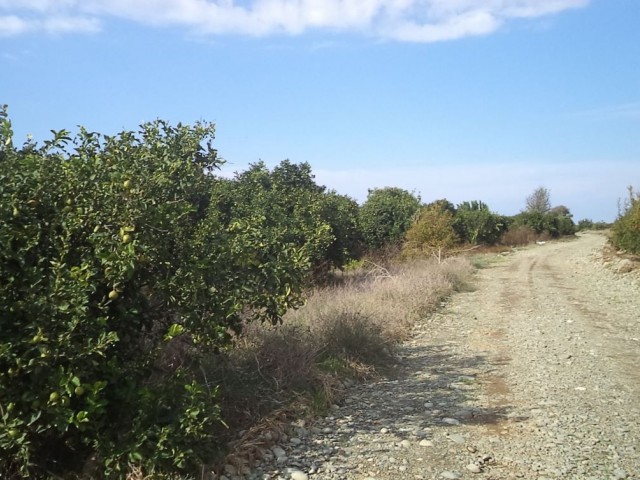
619,474
298,475
473,468
450,475
451,421
455,438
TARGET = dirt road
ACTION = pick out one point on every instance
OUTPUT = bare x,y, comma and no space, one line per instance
535,373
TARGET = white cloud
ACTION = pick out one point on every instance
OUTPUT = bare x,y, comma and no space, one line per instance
404,20
458,26
12,25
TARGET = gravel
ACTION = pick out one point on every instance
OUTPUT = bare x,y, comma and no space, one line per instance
535,374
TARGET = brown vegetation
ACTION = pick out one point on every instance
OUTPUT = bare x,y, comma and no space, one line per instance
522,235
344,333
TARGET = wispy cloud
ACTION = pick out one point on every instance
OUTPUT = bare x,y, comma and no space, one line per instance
403,20
12,25
626,111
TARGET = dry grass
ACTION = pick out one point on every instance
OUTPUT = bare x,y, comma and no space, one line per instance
366,316
344,333
523,235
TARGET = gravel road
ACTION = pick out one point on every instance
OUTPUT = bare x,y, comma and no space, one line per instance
534,374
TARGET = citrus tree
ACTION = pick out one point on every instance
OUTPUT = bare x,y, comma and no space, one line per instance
287,199
476,224
116,276
386,216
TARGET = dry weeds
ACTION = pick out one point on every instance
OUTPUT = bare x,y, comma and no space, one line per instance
346,332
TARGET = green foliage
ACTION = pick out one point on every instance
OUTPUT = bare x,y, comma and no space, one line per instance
542,219
116,276
443,204
432,233
341,213
287,200
564,225
552,224
588,224
625,232
387,215
476,224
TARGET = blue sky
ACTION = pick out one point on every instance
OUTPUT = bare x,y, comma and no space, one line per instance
463,99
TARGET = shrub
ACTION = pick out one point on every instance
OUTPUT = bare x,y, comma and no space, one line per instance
551,224
476,224
588,224
287,199
625,232
341,213
116,276
518,236
431,234
386,216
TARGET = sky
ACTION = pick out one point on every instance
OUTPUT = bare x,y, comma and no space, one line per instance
458,99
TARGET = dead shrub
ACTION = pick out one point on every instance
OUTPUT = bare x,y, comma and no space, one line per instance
518,236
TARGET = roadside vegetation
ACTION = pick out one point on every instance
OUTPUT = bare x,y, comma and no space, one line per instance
346,332
150,309
625,232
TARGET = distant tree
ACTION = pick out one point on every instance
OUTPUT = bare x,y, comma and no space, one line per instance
588,224
562,220
432,233
561,210
387,215
550,223
539,201
476,224
443,204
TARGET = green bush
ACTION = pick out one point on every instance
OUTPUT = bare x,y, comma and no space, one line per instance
341,213
287,199
116,277
552,223
476,224
588,224
625,232
386,216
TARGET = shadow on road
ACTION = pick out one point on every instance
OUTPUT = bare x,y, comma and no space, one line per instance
432,389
